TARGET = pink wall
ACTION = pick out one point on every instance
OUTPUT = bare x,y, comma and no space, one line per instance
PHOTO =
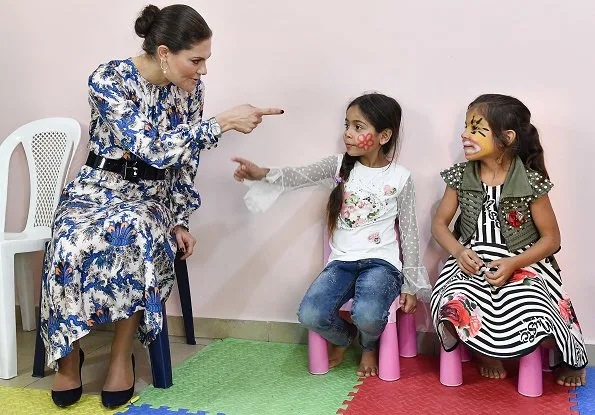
310,58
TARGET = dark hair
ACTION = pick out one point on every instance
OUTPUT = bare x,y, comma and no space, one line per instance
177,26
383,113
504,113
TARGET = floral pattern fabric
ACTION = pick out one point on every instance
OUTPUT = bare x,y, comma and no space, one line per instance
112,251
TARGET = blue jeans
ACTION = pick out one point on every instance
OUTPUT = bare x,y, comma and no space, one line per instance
372,283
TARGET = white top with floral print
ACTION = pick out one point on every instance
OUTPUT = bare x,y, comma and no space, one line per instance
375,199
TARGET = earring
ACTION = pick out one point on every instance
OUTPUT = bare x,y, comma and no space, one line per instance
163,66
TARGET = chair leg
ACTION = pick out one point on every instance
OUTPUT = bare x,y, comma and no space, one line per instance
451,368
317,353
466,355
8,329
185,299
39,357
407,334
545,359
160,357
389,367
530,375
25,288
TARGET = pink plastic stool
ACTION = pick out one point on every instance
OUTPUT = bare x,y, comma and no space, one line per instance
407,334
389,368
451,369
530,371
317,354
530,375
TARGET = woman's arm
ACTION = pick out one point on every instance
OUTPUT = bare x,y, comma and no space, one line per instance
136,133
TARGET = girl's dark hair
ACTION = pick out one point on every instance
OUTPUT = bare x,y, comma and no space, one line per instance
504,113
177,26
383,113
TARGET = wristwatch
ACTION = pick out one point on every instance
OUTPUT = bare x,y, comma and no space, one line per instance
215,127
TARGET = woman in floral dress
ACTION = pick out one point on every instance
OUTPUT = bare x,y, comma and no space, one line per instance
121,220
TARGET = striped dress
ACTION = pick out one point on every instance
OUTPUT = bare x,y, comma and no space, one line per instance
510,321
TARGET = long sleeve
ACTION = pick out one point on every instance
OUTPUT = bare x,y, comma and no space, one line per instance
185,198
134,130
264,193
416,279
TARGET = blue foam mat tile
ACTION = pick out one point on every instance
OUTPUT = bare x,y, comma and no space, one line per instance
584,396
146,409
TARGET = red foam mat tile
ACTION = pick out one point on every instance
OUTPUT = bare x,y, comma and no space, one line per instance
419,392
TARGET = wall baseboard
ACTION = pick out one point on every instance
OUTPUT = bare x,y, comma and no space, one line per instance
274,331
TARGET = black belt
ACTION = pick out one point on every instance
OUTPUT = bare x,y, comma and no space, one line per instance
132,169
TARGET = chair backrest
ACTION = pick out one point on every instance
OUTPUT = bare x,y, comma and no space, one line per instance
49,145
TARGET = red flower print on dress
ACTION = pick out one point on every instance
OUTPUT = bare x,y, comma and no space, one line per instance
455,312
565,310
522,275
365,141
474,325
463,313
516,218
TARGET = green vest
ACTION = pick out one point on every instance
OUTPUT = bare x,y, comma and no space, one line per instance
521,187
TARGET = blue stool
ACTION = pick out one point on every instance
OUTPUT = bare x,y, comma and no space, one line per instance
159,349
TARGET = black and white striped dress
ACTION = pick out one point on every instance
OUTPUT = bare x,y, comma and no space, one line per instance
509,321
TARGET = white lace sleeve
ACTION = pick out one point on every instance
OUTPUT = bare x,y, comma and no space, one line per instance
415,276
263,193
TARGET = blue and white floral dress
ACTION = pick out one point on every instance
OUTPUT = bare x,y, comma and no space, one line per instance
112,250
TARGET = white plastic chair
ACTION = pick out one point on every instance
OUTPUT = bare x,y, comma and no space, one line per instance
49,146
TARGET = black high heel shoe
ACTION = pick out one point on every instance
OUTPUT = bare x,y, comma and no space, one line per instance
70,396
119,398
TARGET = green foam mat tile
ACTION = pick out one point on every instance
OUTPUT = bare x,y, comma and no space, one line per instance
243,377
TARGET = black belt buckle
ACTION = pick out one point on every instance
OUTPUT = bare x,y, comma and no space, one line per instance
130,170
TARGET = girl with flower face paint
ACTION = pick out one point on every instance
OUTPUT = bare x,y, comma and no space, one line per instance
370,194
500,292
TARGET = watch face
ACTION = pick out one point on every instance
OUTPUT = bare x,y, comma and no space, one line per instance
215,127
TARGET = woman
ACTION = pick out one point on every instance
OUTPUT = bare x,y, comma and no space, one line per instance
120,221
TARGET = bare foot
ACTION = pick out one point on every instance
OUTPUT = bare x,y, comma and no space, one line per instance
368,366
120,375
490,367
67,376
335,355
571,377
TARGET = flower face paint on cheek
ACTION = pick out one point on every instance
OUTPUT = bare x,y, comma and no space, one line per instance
365,142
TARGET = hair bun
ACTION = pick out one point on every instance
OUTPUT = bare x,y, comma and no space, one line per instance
145,20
